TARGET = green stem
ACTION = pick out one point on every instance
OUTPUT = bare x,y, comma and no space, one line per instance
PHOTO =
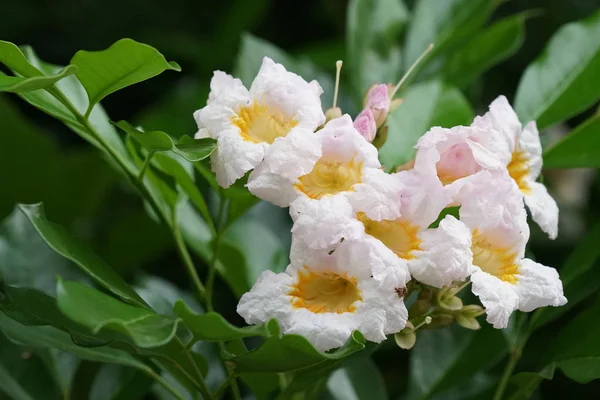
189,264
224,386
140,177
165,384
515,355
212,266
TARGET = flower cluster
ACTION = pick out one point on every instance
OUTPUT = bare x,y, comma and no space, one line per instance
361,234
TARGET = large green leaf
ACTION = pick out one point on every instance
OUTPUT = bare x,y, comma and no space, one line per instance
291,352
26,261
124,63
527,382
11,387
250,56
579,149
442,359
213,327
98,311
372,27
12,57
576,350
426,105
565,79
580,275
444,23
360,379
486,49
191,149
18,84
116,382
49,337
68,246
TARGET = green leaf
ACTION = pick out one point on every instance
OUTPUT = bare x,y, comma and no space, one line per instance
124,63
580,275
17,84
527,382
189,148
442,359
49,337
115,382
426,104
213,327
373,26
98,311
10,386
13,58
360,379
579,149
26,260
68,246
291,352
253,50
576,350
486,49
445,24
565,78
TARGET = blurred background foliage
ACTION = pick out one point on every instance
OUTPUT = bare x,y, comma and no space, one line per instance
41,160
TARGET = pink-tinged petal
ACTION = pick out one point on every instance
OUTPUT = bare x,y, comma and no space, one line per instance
498,297
538,286
365,125
502,119
543,209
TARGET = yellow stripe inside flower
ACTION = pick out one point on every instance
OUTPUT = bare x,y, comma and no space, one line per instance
399,235
519,170
497,261
329,178
260,124
325,292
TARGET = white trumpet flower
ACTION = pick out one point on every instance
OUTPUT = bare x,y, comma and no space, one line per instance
503,279
326,299
246,123
494,141
336,161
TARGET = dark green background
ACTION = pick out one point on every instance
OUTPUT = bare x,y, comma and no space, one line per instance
40,160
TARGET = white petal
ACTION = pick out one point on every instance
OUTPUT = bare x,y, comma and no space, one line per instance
267,299
445,256
529,142
498,297
293,155
543,208
502,119
378,196
223,82
290,93
216,115
323,223
234,157
381,312
272,187
538,286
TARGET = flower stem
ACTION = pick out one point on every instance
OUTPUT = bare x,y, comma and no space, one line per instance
515,355
410,70
140,176
166,385
189,264
210,279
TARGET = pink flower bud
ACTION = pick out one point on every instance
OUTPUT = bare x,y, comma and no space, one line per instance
378,101
365,124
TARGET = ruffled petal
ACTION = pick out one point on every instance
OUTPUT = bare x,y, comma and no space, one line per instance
234,157
538,286
502,119
498,297
543,208
378,196
445,254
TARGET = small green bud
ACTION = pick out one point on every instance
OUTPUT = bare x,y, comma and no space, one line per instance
472,310
451,303
440,321
422,304
467,322
333,113
405,339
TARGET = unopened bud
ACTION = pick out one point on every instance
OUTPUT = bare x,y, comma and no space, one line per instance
467,322
365,124
395,104
405,339
378,100
472,310
440,321
333,113
451,303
